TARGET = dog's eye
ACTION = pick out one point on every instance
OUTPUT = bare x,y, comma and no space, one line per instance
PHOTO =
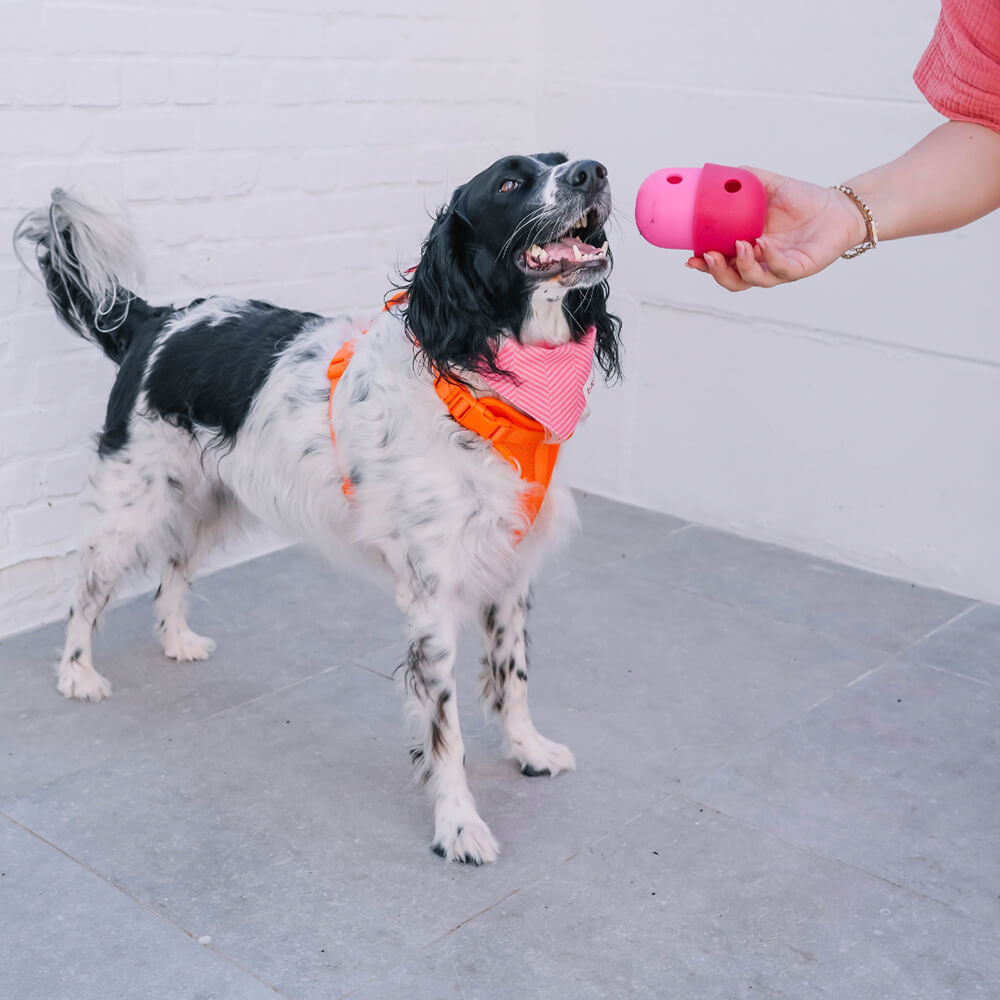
509,185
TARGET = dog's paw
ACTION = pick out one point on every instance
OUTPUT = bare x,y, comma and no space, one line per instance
470,842
540,757
184,645
82,681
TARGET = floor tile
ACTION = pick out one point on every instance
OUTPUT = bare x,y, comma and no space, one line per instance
970,645
265,798
66,934
689,904
611,530
290,830
665,685
276,619
795,587
899,775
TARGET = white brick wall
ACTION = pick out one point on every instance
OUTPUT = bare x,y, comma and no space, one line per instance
853,415
293,150
286,150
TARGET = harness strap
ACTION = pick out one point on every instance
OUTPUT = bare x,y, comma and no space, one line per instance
517,438
336,369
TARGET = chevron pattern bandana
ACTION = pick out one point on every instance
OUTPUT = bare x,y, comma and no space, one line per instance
552,384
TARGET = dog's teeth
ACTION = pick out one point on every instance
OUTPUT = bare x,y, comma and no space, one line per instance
542,254
604,247
536,250
576,252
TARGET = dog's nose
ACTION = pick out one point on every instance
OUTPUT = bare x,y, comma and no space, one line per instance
588,175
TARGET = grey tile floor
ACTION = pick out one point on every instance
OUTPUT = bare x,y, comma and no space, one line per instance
788,787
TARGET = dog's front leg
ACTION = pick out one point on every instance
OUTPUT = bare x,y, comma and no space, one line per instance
504,686
459,832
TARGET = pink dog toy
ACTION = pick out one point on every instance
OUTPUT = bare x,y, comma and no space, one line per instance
701,208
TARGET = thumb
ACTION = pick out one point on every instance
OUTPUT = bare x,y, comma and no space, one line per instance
768,178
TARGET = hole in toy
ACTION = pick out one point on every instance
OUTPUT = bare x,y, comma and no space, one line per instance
674,179
733,186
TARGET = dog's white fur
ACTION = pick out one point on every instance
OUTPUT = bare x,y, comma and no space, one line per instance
438,506
432,503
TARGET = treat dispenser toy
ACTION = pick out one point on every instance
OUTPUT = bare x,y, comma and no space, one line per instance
701,208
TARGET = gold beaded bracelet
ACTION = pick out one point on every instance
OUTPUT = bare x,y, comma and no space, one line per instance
871,228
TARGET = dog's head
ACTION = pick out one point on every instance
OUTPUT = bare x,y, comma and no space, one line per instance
525,236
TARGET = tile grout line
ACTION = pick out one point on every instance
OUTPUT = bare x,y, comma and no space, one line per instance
423,948
833,859
951,621
165,736
798,716
957,673
763,616
139,902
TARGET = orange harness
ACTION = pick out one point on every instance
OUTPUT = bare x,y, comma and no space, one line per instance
517,438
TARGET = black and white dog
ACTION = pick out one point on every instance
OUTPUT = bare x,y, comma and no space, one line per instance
221,407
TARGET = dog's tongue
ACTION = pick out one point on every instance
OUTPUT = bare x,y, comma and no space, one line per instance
569,248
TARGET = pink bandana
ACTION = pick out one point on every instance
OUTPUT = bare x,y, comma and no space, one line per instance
552,384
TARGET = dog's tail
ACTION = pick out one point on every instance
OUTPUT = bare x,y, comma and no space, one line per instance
88,259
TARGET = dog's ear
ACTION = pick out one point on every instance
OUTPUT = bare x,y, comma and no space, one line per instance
448,312
586,307
551,159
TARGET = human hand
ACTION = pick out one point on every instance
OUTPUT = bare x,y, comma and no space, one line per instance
806,229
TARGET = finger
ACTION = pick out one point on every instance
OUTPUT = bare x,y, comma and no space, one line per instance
750,268
781,267
696,264
724,275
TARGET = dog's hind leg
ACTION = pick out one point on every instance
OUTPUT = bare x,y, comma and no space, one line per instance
504,686
201,517
460,834
132,505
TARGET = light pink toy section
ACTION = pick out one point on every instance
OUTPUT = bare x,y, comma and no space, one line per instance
701,208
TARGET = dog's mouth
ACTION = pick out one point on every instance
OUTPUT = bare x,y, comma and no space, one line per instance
570,255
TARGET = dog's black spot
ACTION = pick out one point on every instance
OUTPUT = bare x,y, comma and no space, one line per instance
208,373
470,860
534,772
438,850
491,617
442,701
159,591
175,484
467,441
521,675
143,325
359,393
77,653
306,354
499,634
437,738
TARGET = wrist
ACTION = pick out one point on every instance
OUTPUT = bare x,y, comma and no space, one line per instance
862,229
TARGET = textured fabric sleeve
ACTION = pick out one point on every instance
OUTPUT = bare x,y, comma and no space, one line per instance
959,74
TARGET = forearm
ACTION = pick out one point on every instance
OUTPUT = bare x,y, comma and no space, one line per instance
947,180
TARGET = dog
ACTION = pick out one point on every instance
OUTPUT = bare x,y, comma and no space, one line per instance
225,407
